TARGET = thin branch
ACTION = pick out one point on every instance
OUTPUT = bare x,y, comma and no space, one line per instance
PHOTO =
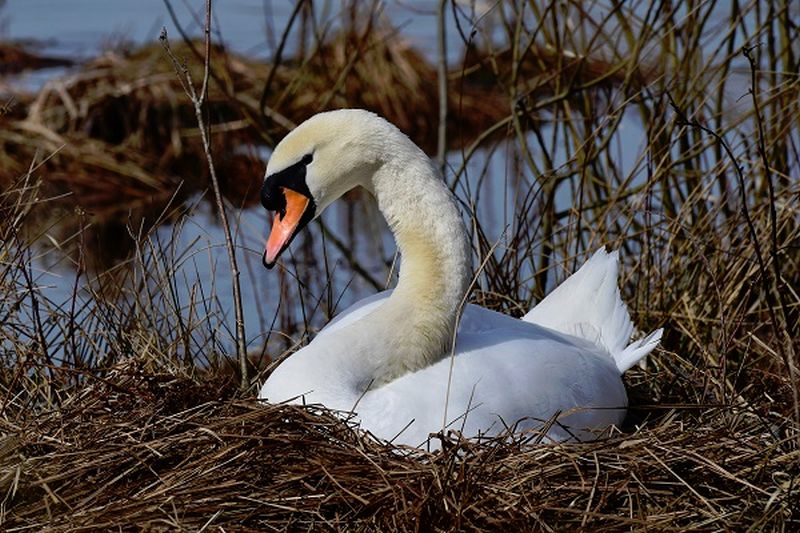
276,61
762,152
441,149
197,100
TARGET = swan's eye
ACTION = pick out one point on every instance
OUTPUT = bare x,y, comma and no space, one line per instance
307,159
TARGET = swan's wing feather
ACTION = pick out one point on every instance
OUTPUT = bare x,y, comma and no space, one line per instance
356,311
588,305
637,350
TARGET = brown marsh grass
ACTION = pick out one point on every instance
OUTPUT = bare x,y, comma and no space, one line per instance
121,414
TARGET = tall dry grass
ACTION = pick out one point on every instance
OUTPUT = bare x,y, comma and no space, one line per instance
668,130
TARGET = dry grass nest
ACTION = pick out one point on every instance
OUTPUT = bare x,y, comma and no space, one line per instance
16,58
140,450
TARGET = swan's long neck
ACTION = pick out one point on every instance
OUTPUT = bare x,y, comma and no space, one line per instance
415,327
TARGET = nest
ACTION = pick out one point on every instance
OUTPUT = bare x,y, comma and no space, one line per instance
149,451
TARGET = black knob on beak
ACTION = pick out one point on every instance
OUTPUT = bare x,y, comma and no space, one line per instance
292,177
272,197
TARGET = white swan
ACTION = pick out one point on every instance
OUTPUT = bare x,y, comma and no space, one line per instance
388,357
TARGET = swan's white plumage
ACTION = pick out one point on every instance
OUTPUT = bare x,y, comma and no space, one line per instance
388,357
588,305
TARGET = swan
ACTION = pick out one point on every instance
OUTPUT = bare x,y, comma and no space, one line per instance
390,359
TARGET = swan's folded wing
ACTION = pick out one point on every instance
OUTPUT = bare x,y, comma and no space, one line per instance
500,377
358,310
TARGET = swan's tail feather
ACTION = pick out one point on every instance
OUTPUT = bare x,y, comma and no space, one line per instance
588,305
637,350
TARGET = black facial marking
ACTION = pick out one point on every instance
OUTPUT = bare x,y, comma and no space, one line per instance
273,198
292,177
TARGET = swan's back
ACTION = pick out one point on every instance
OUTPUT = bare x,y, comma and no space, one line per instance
587,305
504,371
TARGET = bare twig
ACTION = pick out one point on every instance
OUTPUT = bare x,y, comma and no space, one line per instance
459,311
198,100
441,147
773,217
276,61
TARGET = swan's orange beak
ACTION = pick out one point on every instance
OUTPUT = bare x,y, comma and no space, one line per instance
284,225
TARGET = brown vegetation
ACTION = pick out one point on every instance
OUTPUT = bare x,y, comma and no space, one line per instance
148,451
123,137
15,59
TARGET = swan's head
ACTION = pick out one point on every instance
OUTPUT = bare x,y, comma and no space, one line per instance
316,163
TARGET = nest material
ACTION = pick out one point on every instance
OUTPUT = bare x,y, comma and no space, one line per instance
146,451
